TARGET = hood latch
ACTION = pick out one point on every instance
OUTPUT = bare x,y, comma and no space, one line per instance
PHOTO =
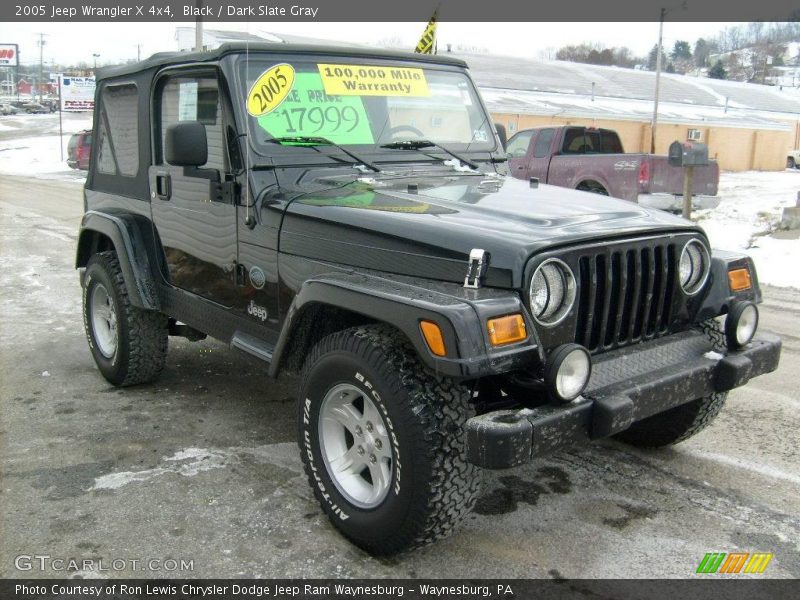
478,260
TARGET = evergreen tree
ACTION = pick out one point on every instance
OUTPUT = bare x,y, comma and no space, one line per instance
651,59
681,50
702,49
718,71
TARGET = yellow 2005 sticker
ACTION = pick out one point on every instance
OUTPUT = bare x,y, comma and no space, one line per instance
270,89
371,80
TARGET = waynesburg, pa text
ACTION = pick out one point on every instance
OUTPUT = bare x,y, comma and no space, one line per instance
268,590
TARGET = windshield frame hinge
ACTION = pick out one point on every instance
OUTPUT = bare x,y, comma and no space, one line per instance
225,192
476,267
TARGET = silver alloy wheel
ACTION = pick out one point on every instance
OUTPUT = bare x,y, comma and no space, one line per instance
355,446
103,314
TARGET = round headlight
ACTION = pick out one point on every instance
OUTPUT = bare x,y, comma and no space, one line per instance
741,324
694,267
567,372
552,292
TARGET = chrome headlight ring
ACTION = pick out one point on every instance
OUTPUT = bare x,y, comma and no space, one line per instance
552,292
694,267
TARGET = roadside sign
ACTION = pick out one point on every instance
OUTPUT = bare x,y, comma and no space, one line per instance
9,55
77,93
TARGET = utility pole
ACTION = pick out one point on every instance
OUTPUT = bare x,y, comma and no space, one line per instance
659,51
198,28
41,65
138,52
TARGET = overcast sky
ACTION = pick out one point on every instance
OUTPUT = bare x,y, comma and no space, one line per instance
69,43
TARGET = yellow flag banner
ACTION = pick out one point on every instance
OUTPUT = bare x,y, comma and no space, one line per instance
427,42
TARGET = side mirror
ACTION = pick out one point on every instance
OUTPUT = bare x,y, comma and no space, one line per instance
185,144
501,133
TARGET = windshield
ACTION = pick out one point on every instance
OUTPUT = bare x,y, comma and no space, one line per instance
364,104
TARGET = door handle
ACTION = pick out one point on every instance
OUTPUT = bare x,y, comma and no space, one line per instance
164,186
520,167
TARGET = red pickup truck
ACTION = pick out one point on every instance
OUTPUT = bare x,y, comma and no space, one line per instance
593,160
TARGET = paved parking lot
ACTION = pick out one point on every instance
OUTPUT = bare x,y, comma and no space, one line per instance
202,466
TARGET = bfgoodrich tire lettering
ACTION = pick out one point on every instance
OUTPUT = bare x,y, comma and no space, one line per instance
140,349
432,486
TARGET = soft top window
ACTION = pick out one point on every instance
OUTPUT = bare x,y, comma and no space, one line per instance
118,131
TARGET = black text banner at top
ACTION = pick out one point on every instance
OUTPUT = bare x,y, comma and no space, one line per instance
391,11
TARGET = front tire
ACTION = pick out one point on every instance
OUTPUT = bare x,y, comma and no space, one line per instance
129,344
382,441
790,163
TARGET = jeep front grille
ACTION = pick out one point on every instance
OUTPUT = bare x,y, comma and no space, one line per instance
626,294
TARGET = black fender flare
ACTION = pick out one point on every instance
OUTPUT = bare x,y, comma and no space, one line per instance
718,295
461,315
131,236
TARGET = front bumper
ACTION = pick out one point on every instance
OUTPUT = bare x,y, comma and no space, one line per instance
626,386
673,203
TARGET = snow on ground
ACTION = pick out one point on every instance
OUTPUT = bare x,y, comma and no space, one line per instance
29,145
747,219
38,157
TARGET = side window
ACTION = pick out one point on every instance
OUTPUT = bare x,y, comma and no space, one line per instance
591,140
611,143
518,145
574,141
543,142
193,98
118,133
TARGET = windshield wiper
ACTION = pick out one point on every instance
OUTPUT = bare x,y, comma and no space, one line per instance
419,144
321,141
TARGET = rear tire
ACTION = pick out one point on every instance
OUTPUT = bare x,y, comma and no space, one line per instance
129,344
370,375
790,163
594,188
682,422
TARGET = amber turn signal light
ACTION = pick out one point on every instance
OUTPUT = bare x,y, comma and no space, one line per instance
739,280
433,337
506,330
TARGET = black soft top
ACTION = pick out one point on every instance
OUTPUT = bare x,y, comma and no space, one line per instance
178,58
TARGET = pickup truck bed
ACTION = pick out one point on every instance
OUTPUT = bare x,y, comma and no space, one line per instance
593,160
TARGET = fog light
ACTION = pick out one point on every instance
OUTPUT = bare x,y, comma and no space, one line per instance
741,324
567,372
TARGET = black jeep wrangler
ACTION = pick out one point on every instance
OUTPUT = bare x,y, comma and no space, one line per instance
346,214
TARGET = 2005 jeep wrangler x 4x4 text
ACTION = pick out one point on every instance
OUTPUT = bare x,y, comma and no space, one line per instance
346,214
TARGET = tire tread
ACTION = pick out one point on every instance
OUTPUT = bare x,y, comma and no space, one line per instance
147,336
442,407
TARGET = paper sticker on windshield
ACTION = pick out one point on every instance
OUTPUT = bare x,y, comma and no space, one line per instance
308,110
270,89
366,80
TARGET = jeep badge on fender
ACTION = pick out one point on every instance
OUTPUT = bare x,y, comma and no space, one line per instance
347,215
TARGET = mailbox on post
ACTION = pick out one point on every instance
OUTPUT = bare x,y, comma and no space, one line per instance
688,154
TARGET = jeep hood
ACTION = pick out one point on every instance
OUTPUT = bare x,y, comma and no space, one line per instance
426,227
